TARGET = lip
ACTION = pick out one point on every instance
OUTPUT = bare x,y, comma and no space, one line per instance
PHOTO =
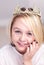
23,44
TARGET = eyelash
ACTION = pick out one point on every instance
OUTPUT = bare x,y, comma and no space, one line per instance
29,33
20,32
17,31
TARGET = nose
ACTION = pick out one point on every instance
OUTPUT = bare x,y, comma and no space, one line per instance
23,38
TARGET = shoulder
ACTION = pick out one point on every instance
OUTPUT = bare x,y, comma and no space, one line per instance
5,48
39,56
4,54
42,48
40,52
7,55
9,50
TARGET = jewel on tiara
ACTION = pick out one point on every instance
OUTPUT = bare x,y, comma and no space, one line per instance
19,10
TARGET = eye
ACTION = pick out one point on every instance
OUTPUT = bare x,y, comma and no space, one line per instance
17,31
29,33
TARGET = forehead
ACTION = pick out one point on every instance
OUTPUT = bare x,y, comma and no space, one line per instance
22,23
27,20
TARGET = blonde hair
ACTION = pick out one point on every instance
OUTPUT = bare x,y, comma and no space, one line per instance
36,26
34,20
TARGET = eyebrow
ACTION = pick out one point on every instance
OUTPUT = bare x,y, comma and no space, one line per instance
16,28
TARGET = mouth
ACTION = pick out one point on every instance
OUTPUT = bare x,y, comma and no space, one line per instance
22,44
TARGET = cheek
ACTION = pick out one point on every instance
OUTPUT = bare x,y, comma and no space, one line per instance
15,37
31,39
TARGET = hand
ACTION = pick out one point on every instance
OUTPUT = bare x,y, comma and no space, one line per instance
31,50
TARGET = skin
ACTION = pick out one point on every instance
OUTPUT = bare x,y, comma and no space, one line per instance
24,40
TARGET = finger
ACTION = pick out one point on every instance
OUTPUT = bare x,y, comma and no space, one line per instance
27,50
31,47
34,44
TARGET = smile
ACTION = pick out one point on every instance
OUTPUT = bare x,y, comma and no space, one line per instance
23,44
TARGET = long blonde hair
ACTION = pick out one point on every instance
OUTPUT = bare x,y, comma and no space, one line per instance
36,26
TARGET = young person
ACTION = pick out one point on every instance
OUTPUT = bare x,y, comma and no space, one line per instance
26,35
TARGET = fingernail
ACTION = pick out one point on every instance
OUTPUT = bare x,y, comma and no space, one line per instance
35,41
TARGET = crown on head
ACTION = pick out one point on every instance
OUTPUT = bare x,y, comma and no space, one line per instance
19,10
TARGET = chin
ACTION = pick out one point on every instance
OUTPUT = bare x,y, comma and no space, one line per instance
21,50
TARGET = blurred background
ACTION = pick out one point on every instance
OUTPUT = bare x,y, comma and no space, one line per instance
6,11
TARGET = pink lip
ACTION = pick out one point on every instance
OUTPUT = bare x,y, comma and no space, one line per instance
22,44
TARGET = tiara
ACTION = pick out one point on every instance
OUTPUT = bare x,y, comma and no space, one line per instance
34,11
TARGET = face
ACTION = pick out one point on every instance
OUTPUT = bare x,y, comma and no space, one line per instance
22,35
